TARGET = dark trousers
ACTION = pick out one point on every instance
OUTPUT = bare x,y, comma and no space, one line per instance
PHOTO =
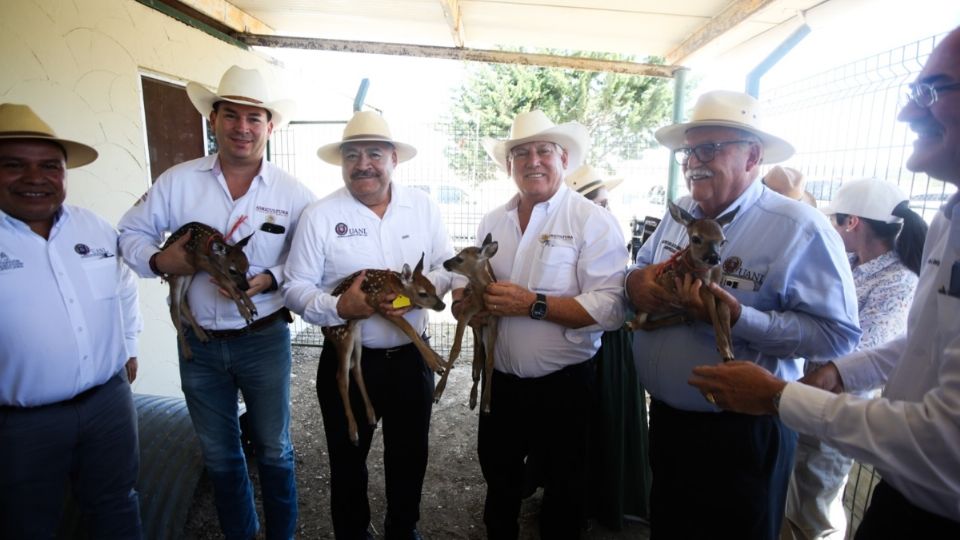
717,475
90,440
549,417
400,386
891,516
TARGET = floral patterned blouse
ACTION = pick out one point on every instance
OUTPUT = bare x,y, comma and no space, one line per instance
884,292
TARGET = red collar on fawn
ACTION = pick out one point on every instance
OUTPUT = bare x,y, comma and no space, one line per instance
678,263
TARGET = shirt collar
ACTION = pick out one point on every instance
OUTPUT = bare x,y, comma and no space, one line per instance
549,204
62,216
873,266
211,163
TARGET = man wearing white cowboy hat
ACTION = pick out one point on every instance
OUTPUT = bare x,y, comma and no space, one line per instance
587,181
237,192
68,329
791,296
372,222
910,434
560,265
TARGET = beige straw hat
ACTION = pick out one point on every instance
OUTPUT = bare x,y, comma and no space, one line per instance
534,126
20,122
245,87
727,109
585,180
365,126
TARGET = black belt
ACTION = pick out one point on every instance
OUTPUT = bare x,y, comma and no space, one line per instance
255,326
72,401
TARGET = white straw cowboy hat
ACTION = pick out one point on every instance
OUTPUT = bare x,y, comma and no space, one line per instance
534,126
723,108
790,183
20,122
245,87
869,198
585,180
365,126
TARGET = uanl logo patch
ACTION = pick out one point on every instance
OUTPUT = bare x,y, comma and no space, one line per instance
344,231
86,252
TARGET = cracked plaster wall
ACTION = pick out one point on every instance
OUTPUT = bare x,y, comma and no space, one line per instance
78,65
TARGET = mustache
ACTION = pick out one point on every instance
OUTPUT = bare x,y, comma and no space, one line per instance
364,174
699,171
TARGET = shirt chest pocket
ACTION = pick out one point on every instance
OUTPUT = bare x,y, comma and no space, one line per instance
555,270
102,276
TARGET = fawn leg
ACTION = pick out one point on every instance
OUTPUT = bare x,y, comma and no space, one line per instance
433,360
344,344
720,317
488,367
454,354
478,355
357,369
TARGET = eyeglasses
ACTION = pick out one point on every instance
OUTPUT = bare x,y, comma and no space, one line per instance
925,95
544,152
705,152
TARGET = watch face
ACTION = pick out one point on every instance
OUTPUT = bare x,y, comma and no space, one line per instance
539,308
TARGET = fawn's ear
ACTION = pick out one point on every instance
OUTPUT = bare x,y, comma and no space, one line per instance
243,242
728,217
218,248
405,273
419,268
487,239
489,249
679,214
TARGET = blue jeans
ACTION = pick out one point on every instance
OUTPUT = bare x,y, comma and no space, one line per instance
258,365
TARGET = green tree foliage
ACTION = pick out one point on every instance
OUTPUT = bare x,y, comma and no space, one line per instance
620,111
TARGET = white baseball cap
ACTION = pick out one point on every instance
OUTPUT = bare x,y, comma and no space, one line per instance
869,198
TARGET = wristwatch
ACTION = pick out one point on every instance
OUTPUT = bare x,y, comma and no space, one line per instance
538,309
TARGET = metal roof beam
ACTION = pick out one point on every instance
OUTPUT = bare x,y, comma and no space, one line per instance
732,15
453,53
451,12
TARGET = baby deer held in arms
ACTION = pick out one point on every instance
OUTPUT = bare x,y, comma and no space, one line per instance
209,252
701,258
474,263
347,339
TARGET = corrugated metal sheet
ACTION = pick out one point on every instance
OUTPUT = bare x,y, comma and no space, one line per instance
170,467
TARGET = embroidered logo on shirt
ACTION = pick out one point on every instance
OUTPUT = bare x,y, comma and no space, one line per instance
86,253
344,231
274,211
670,246
735,276
732,264
549,239
6,263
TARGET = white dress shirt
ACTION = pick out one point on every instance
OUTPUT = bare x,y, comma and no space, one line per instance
197,191
571,248
338,235
70,318
912,434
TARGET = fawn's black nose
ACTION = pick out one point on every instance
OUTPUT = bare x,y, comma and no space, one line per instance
713,259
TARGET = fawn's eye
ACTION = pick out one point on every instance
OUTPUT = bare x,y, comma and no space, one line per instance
695,240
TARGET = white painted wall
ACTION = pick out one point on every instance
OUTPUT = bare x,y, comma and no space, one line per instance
78,65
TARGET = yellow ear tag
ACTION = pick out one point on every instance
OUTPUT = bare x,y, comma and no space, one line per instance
400,301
